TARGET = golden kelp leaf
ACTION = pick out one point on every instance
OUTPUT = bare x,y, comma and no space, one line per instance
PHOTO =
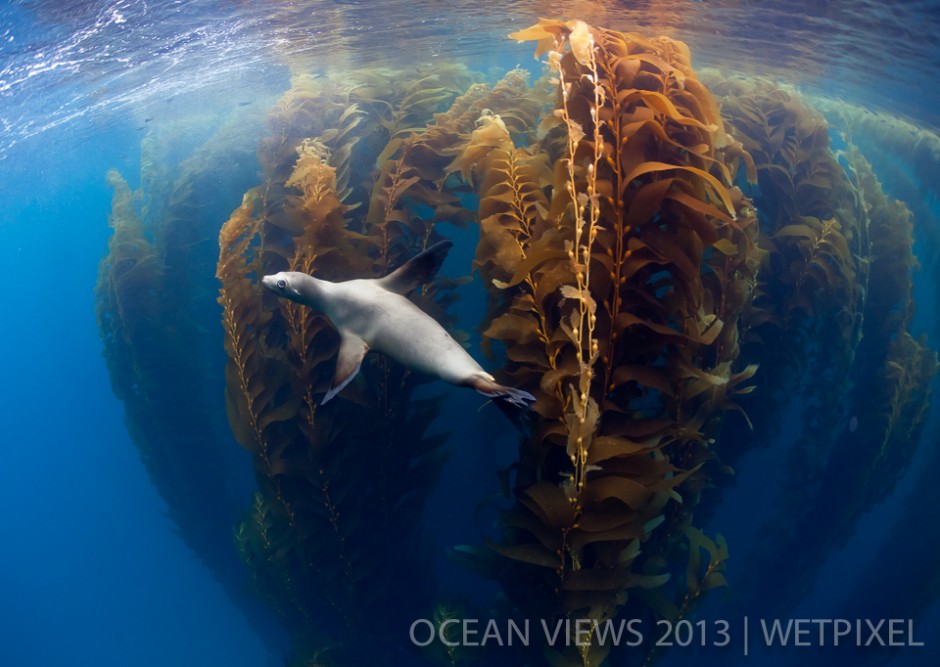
631,494
744,375
534,260
582,42
626,68
731,405
717,553
544,45
551,503
529,355
550,380
626,320
657,600
581,423
647,201
700,207
654,523
241,429
605,447
664,105
652,167
609,518
648,376
511,327
650,580
523,519
714,580
583,296
629,529
799,231
712,327
390,149
637,261
675,480
722,544
280,412
538,31
596,580
498,248
575,132
726,247
533,554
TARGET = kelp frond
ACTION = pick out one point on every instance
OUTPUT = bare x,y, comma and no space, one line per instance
617,300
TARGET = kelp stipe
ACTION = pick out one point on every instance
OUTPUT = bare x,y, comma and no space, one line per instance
617,299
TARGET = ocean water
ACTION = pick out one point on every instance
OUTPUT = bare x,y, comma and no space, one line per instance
148,520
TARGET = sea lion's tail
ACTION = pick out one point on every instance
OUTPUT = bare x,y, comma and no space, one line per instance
490,389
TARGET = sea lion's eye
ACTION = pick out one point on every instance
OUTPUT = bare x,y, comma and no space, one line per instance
281,284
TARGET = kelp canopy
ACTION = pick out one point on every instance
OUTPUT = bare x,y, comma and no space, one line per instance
666,265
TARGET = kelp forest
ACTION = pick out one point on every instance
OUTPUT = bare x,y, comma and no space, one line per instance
683,268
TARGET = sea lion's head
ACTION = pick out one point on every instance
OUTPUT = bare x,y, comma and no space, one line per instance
292,285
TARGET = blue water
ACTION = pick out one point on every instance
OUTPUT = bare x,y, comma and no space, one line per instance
92,568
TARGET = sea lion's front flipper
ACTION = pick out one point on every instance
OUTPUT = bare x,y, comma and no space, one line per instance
351,351
417,271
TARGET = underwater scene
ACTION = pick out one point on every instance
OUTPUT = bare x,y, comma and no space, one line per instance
349,333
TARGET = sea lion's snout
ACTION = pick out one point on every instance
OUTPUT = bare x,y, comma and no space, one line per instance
274,283
287,284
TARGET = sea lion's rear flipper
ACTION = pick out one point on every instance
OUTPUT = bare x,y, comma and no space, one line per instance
417,271
490,389
351,351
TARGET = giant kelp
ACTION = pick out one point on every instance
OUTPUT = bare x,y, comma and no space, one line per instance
887,141
335,530
665,265
814,237
905,158
632,292
155,316
860,458
892,377
830,325
806,318
888,404
619,258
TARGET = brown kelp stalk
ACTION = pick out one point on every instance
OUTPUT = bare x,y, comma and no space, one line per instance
583,416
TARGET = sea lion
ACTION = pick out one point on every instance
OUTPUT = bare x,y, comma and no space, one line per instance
375,314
